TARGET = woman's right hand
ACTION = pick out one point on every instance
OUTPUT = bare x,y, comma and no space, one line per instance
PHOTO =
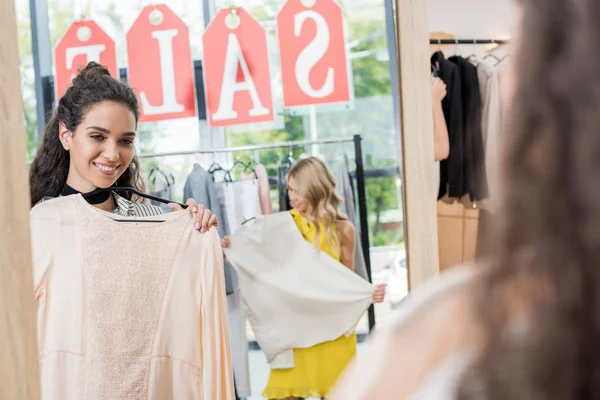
226,242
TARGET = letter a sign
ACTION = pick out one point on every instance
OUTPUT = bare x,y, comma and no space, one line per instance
236,70
160,65
83,42
312,50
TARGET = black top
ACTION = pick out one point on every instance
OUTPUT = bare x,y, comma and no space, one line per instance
474,173
451,169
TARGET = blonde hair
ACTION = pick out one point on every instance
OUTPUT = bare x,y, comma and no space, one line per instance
316,184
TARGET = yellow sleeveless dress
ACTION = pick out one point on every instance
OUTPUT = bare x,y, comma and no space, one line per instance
316,369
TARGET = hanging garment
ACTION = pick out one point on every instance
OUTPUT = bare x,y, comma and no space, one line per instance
492,117
295,296
284,198
264,190
485,74
345,191
264,187
474,174
241,202
200,187
128,310
237,316
451,169
161,183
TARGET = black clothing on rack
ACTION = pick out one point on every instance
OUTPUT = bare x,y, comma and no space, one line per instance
451,169
284,198
474,173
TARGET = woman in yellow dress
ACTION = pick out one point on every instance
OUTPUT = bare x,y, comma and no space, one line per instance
311,188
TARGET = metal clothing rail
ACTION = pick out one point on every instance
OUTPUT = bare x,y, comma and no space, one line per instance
468,41
359,173
249,147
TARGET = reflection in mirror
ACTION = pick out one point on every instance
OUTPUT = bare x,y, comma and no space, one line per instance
248,164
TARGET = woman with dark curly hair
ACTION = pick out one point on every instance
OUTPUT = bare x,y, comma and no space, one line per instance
524,324
88,144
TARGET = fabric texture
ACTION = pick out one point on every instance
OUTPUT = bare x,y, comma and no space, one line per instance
295,296
141,321
345,190
451,169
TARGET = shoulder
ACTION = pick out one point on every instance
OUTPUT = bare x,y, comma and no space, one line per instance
345,230
435,323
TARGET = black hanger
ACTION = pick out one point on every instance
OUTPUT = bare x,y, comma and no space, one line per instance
137,192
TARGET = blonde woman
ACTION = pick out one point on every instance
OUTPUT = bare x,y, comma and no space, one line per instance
311,188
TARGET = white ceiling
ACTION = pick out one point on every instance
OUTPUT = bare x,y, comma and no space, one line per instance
472,19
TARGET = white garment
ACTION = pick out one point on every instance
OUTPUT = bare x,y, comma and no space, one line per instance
295,296
241,202
491,125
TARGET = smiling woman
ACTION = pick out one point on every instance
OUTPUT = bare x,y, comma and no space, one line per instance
88,144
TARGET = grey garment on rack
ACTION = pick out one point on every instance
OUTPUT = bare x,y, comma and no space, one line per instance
200,187
161,183
345,189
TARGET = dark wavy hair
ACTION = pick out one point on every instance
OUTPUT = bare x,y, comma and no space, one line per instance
539,303
50,168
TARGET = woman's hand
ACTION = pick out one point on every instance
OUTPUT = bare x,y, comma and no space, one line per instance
379,293
203,218
438,91
226,242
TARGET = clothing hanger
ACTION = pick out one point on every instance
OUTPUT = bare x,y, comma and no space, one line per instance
473,57
290,159
492,56
137,192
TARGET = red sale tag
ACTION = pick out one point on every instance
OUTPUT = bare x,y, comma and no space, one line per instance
161,69
312,51
236,70
82,43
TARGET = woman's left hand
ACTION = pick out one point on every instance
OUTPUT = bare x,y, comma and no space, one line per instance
203,218
379,293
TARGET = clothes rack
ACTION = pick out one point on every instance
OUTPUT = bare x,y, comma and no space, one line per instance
359,174
468,41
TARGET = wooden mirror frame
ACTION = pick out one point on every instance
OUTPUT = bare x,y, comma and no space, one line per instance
19,368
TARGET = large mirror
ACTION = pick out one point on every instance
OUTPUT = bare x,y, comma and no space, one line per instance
248,161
